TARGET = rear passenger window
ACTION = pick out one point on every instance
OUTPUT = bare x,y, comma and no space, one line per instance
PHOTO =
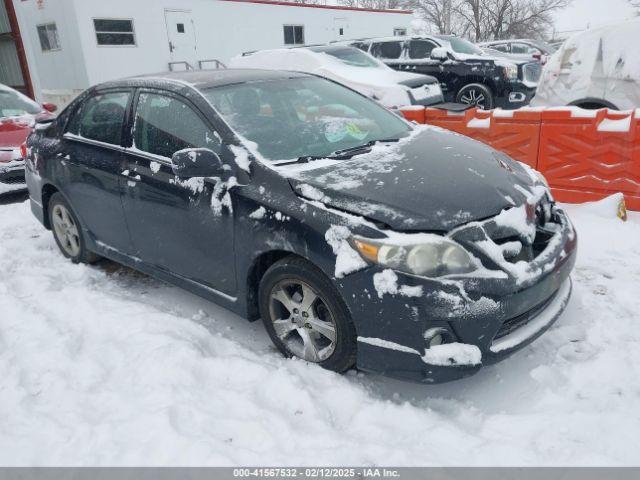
164,125
390,50
101,118
420,49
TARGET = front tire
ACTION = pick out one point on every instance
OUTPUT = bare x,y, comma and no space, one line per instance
305,315
477,95
67,231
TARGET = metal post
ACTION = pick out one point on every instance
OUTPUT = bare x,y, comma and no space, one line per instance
17,39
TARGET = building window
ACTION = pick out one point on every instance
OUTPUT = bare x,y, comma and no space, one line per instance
294,34
48,35
114,32
399,32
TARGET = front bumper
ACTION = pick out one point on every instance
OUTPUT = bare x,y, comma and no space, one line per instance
12,177
493,317
514,95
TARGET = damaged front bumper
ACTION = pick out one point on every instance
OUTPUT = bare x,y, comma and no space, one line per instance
482,319
12,177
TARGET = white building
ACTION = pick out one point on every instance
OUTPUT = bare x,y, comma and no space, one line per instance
70,45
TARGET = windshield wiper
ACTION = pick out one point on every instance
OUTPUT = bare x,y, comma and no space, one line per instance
345,153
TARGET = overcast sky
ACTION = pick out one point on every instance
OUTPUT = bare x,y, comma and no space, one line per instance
593,13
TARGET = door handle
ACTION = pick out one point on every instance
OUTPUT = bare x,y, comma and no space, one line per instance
131,176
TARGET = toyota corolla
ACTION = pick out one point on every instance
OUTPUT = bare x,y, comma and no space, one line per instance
359,239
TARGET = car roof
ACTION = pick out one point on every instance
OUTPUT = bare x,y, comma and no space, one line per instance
203,79
397,38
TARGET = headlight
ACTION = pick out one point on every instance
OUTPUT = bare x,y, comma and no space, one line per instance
510,71
433,258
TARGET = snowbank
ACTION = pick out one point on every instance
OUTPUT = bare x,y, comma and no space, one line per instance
104,366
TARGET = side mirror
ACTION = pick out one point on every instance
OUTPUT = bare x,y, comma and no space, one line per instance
50,107
196,162
440,53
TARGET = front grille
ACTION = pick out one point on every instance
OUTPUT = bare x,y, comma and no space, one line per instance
532,72
515,323
516,248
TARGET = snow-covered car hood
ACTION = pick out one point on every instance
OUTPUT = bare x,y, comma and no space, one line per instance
383,83
432,181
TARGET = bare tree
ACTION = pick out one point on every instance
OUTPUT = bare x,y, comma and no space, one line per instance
441,14
378,4
490,19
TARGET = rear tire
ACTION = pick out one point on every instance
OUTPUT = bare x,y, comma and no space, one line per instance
305,315
67,231
477,95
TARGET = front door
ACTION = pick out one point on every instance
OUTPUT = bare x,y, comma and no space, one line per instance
174,224
182,38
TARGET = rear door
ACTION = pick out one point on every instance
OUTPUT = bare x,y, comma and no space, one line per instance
418,54
92,158
182,38
181,226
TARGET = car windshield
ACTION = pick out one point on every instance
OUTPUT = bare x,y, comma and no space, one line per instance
352,56
460,45
303,117
14,104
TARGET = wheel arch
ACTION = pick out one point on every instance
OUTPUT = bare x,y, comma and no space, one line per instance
48,190
592,103
257,269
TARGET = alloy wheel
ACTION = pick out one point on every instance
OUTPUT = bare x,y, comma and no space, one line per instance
474,97
66,230
302,320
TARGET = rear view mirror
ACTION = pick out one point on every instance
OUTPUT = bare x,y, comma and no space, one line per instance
196,162
440,53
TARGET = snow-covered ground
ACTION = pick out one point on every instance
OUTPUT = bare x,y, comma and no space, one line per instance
101,365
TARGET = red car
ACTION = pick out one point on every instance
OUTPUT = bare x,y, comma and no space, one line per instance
18,116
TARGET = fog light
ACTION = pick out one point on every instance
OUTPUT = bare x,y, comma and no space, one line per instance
515,97
436,336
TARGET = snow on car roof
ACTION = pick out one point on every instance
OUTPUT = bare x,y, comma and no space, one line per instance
220,77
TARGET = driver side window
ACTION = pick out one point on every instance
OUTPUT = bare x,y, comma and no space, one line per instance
164,125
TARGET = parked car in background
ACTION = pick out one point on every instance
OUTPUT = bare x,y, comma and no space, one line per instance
351,67
500,54
466,74
358,238
18,115
530,49
598,68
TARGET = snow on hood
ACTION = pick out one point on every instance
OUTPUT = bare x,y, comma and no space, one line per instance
602,63
433,180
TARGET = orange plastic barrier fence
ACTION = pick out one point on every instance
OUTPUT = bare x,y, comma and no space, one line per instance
588,155
585,155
